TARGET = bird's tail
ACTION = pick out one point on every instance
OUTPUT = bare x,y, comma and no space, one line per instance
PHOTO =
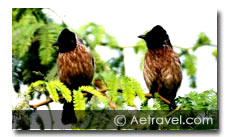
68,114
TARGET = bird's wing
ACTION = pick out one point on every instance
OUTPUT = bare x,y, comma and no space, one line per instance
171,74
150,72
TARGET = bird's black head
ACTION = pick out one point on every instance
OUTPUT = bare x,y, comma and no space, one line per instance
156,38
66,41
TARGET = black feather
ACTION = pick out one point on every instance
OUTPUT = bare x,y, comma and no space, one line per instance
66,41
156,38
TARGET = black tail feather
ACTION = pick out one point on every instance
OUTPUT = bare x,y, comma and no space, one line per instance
68,114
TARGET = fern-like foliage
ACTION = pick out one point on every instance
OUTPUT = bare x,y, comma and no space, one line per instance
113,86
189,65
35,85
131,88
206,100
23,36
78,100
52,91
66,93
33,34
137,88
51,88
79,104
94,34
158,103
203,40
94,92
48,35
128,92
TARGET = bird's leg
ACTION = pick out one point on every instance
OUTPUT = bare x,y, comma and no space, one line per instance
162,98
148,95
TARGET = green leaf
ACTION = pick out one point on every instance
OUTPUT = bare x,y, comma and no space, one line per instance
140,47
22,38
94,34
202,41
38,83
206,100
79,105
52,91
66,93
78,100
47,37
138,90
189,65
128,91
96,93
214,53
113,87
34,85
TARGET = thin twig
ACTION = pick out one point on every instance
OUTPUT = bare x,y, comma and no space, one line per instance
164,100
148,95
103,90
175,110
57,15
47,101
212,45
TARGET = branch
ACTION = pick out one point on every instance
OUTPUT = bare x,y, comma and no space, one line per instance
47,101
212,45
98,84
56,15
148,95
164,100
112,105
103,90
172,112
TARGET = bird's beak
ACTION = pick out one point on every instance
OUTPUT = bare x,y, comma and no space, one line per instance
141,36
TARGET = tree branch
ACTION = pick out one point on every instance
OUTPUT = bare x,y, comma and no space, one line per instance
165,100
49,100
172,112
148,95
212,45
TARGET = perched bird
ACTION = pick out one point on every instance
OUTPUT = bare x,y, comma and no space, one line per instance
75,65
162,67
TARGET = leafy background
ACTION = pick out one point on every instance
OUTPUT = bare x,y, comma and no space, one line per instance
34,66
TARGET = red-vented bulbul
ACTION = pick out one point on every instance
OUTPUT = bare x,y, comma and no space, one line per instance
75,66
162,67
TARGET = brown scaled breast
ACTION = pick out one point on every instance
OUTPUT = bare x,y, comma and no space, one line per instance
76,68
162,71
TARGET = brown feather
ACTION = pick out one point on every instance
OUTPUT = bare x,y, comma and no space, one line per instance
162,71
76,68
75,65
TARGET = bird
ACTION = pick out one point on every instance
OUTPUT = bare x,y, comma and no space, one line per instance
75,67
162,67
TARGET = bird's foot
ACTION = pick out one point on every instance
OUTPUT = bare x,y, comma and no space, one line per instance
148,95
164,100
